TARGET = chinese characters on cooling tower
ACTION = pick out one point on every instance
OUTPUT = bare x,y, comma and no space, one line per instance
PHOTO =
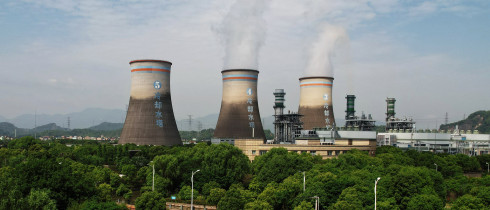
326,112
250,108
158,104
150,118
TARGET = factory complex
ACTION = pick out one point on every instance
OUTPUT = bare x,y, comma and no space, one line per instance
312,129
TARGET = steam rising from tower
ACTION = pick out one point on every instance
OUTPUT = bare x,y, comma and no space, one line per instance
239,117
150,118
322,51
243,33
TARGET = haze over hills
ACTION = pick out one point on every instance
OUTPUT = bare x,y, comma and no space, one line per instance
112,119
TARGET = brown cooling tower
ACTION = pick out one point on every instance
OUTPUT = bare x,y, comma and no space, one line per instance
315,103
239,117
150,118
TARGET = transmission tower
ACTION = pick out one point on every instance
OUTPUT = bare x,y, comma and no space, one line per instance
190,122
68,122
446,119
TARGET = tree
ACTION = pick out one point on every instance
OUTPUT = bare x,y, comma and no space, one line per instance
304,205
104,191
349,199
150,200
215,196
206,189
39,199
258,205
468,202
276,165
425,202
94,205
186,192
232,200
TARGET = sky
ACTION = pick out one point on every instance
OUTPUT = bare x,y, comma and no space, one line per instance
63,56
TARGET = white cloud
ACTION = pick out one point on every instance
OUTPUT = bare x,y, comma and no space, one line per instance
108,34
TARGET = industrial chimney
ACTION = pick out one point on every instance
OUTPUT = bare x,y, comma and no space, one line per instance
239,117
350,113
150,118
315,103
390,108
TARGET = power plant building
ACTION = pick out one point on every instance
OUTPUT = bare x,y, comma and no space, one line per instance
239,116
353,122
286,126
150,118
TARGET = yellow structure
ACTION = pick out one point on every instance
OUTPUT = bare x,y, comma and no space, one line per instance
255,147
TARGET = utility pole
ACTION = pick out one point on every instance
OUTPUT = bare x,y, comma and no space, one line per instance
446,119
35,124
68,122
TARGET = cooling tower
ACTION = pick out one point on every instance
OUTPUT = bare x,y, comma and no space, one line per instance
239,117
315,103
150,118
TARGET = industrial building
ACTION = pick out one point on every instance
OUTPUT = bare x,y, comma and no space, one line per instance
322,138
353,122
150,118
402,133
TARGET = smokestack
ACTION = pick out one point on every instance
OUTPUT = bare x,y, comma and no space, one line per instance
279,101
390,108
239,117
350,113
150,118
315,103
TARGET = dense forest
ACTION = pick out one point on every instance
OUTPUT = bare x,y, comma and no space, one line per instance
479,120
92,175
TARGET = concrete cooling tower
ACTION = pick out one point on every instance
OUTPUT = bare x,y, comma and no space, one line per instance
315,103
239,117
150,118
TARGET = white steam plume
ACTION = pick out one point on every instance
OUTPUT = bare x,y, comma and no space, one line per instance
322,51
243,33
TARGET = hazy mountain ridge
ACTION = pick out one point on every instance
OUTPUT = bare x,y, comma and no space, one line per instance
479,120
84,119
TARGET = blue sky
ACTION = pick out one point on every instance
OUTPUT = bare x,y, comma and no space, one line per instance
61,56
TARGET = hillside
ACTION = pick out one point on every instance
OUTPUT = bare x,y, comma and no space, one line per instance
479,120
106,126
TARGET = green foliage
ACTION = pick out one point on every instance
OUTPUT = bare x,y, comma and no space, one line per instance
23,143
104,192
150,200
94,205
215,196
185,193
232,200
276,165
258,205
304,205
39,199
425,202
468,202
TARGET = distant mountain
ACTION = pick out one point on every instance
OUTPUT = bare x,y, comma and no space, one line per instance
84,119
49,127
479,120
7,129
106,126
